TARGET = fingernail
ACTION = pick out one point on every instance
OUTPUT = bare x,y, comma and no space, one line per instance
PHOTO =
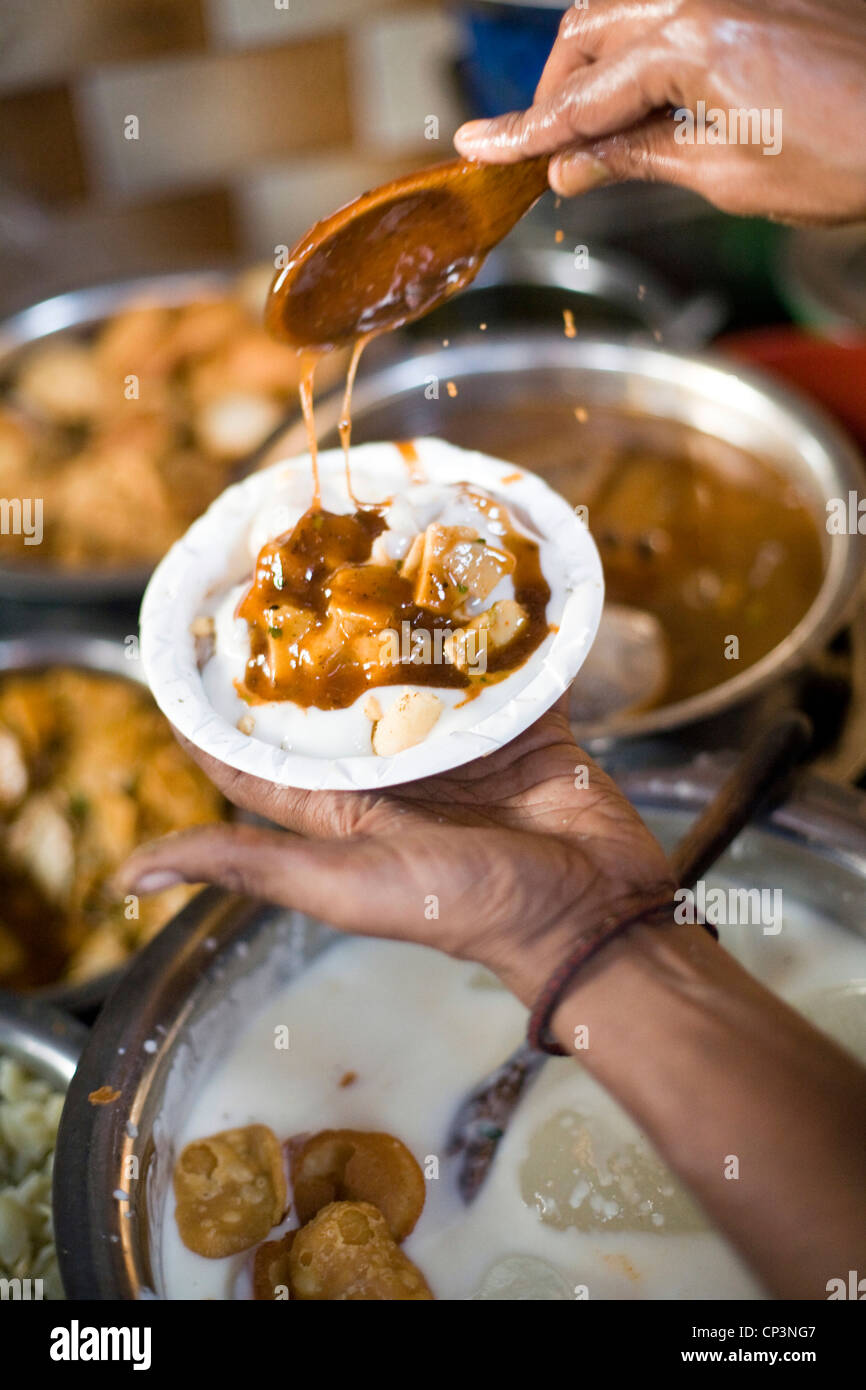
473,131
585,166
155,880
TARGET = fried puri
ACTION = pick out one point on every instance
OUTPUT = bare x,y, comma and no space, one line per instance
346,1165
230,1190
271,1268
347,1254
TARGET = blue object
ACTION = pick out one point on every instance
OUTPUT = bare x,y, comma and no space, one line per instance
506,47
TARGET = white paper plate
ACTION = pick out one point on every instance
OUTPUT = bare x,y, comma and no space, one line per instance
215,552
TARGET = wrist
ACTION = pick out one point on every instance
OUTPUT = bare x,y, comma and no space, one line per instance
641,986
526,962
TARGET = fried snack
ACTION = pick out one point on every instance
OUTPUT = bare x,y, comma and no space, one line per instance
347,1254
271,1268
88,770
348,1165
230,1190
129,430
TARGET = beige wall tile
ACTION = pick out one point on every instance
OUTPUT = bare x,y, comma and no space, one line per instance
246,23
40,152
99,243
41,40
277,204
203,118
401,74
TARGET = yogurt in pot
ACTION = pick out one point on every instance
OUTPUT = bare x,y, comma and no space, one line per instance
385,1036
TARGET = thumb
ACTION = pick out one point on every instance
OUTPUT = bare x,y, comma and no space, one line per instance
648,151
349,883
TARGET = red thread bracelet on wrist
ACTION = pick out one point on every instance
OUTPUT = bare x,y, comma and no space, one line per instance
537,1033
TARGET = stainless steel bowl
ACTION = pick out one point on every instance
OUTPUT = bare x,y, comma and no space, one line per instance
186,996
78,313
527,282
613,287
44,1039
741,408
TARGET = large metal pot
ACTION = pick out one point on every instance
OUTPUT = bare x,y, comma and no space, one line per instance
187,994
527,283
78,313
42,1038
740,408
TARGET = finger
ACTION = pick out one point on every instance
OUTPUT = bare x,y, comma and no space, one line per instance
350,884
324,814
648,151
610,95
586,34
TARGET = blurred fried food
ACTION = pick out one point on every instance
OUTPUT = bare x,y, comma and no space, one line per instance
129,431
230,1190
271,1269
347,1254
89,769
339,1165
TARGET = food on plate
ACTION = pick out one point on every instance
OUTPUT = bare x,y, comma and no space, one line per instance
348,1165
88,770
347,1254
230,1190
128,430
419,616
361,626
334,601
29,1115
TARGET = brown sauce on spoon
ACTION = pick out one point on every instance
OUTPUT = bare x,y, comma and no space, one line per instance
318,601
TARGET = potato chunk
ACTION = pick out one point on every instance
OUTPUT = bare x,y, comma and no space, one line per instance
235,424
363,597
42,844
62,381
457,565
492,630
14,777
407,722
230,1190
346,1254
352,1165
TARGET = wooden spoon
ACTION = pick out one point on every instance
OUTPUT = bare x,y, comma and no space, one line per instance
396,253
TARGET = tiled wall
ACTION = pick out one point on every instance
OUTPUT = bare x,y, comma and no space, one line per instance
254,117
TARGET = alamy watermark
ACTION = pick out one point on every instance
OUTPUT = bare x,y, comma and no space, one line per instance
738,125
727,907
419,647
22,516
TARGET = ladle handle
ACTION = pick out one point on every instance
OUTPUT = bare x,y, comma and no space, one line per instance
761,772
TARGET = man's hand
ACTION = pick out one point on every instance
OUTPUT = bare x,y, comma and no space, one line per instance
603,108
503,861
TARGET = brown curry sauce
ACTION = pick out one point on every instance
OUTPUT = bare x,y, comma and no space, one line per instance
325,561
